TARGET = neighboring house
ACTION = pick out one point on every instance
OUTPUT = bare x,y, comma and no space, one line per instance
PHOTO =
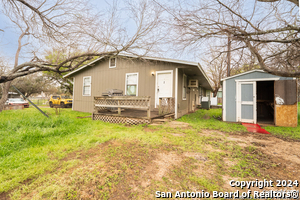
258,97
13,95
217,100
147,76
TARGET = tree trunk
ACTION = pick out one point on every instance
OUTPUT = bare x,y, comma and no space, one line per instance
5,88
215,92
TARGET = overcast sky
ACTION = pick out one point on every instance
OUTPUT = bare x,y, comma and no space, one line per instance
9,38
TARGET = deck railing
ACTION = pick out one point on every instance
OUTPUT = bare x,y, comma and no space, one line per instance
166,105
128,102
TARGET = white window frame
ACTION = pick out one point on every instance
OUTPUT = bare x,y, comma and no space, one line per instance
89,85
115,63
183,87
137,82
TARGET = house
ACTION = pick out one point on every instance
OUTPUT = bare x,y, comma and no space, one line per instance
259,97
217,100
156,78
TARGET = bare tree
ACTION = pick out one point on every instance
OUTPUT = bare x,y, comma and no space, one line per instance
216,69
266,29
33,84
68,24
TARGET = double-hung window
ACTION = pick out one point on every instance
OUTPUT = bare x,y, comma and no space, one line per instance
184,87
87,86
131,84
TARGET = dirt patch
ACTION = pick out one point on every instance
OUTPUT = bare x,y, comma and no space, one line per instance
162,164
209,132
279,160
196,156
178,134
177,124
271,145
146,129
258,144
206,116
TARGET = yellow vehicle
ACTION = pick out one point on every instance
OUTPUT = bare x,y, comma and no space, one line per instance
63,101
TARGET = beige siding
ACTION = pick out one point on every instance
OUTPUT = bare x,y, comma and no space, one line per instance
104,78
182,104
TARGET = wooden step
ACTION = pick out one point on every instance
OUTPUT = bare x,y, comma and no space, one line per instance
160,120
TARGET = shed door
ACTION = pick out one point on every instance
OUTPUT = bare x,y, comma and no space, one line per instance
246,102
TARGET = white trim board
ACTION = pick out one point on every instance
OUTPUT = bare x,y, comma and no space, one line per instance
184,99
161,72
224,100
176,93
257,79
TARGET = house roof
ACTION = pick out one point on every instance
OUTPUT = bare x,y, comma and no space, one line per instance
195,64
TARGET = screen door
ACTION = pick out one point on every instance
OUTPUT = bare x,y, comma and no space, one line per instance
246,102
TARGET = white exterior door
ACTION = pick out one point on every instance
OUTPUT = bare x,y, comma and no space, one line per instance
246,102
164,85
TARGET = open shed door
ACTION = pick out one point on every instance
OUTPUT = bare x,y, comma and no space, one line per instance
246,102
286,103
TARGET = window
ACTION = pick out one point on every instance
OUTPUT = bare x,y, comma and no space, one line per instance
184,87
86,86
219,94
131,84
112,62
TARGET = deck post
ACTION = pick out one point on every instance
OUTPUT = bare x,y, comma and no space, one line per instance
119,108
169,105
159,107
148,110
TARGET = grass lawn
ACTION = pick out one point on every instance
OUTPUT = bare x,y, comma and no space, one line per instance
65,157
40,102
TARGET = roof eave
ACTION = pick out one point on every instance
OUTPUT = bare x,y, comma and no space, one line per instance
205,75
82,67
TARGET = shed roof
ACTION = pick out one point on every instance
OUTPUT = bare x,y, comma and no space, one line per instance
251,71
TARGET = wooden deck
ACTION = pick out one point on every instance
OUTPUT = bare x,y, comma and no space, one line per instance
130,110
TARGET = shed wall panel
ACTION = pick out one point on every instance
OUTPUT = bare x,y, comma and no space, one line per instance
285,89
286,115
